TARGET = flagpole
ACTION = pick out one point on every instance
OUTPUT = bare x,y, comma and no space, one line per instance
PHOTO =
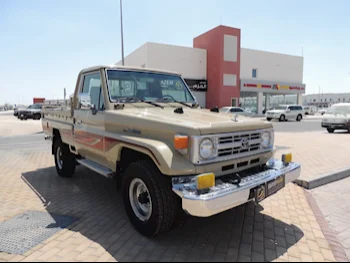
121,30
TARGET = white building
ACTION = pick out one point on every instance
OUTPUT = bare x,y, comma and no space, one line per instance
325,99
221,73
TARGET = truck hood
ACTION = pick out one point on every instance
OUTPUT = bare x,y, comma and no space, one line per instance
192,121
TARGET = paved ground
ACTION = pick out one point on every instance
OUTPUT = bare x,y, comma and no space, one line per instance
283,228
307,125
333,200
319,153
11,126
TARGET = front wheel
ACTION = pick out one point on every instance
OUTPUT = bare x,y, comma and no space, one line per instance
330,130
269,119
65,161
300,117
282,118
151,205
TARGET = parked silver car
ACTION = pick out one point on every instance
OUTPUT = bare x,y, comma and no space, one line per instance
337,117
236,110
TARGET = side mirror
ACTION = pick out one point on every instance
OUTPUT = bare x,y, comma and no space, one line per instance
288,110
86,104
85,101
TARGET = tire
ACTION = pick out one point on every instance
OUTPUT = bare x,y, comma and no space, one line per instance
65,167
269,119
330,130
162,207
37,117
282,118
299,118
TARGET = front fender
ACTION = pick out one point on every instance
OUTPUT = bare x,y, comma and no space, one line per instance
168,161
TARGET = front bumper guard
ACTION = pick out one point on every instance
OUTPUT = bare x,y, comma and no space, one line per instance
225,196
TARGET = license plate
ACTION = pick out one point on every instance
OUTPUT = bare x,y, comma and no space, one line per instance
270,188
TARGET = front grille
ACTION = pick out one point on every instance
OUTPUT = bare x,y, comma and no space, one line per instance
239,144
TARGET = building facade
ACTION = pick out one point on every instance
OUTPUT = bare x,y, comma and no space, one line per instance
221,73
325,100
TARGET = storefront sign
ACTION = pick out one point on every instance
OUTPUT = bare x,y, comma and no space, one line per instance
197,85
274,87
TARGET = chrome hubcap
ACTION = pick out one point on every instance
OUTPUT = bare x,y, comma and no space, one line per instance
140,199
59,158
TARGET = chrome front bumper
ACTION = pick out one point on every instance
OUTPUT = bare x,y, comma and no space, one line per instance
225,196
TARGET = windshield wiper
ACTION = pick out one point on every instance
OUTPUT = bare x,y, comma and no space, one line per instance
176,101
136,99
153,103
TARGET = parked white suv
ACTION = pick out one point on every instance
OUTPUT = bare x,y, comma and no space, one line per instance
285,113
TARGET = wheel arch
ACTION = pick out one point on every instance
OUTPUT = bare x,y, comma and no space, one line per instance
168,161
55,135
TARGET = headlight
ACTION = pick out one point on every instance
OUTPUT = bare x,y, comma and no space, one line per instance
206,149
267,140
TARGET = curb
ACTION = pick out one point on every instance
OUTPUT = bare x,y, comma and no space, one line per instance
323,180
336,247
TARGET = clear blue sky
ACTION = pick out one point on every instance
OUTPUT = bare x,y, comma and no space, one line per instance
44,44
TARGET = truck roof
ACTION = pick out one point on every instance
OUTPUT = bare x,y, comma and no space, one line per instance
118,67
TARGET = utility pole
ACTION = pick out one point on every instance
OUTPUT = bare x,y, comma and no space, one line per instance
121,30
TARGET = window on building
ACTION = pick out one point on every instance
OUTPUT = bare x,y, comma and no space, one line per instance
255,73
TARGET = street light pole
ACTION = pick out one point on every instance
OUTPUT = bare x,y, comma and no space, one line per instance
121,30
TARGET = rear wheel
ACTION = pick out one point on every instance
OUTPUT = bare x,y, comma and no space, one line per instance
65,161
151,205
330,130
283,118
269,119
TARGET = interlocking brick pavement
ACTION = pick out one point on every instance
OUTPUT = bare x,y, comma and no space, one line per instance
282,228
333,201
319,153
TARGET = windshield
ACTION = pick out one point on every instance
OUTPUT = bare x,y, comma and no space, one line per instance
339,110
147,87
224,109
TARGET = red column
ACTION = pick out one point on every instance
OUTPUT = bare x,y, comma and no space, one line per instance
213,41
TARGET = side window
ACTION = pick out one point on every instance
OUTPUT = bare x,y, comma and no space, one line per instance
240,110
233,110
291,108
92,85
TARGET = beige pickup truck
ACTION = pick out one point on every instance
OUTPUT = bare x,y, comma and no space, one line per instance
170,158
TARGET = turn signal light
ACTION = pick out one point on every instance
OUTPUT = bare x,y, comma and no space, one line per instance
287,158
205,181
180,142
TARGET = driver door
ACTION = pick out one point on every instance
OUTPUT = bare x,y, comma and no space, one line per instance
90,123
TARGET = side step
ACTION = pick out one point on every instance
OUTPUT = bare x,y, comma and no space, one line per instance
97,168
